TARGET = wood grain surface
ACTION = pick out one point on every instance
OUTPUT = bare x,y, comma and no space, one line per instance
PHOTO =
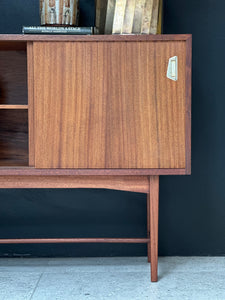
13,77
14,41
74,240
138,184
12,106
108,105
170,106
31,171
30,83
13,138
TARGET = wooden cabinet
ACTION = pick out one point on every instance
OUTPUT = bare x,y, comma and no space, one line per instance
100,109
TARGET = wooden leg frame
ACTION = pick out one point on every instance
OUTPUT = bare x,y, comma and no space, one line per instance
142,184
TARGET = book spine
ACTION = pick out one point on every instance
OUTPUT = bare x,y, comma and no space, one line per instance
58,30
160,21
138,14
147,17
101,8
129,17
110,16
155,15
119,16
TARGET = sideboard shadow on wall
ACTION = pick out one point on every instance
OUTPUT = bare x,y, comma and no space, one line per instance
95,112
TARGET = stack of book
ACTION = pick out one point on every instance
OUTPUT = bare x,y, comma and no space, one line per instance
128,16
58,30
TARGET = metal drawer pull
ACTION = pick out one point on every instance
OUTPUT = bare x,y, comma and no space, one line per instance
172,70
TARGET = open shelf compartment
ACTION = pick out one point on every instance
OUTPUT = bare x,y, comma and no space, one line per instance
13,138
13,105
13,75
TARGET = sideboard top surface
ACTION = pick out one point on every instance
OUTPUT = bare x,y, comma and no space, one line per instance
94,38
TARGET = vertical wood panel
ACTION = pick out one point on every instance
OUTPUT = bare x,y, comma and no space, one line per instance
30,82
170,106
108,105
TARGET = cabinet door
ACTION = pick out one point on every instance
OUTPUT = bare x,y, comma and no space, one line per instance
109,105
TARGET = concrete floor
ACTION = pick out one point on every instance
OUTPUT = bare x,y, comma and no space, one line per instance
112,278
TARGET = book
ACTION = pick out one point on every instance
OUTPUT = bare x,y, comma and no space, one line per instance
110,16
160,23
119,16
138,14
155,16
57,30
100,18
147,17
129,17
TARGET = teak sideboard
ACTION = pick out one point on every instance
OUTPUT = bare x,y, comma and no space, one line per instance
95,112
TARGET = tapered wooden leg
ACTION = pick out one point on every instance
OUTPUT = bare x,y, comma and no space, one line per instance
154,216
148,228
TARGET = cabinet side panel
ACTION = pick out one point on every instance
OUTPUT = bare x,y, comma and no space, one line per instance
188,103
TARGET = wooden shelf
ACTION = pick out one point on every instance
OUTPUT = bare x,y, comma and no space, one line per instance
9,106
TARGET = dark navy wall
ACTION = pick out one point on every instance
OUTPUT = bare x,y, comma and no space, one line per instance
192,208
